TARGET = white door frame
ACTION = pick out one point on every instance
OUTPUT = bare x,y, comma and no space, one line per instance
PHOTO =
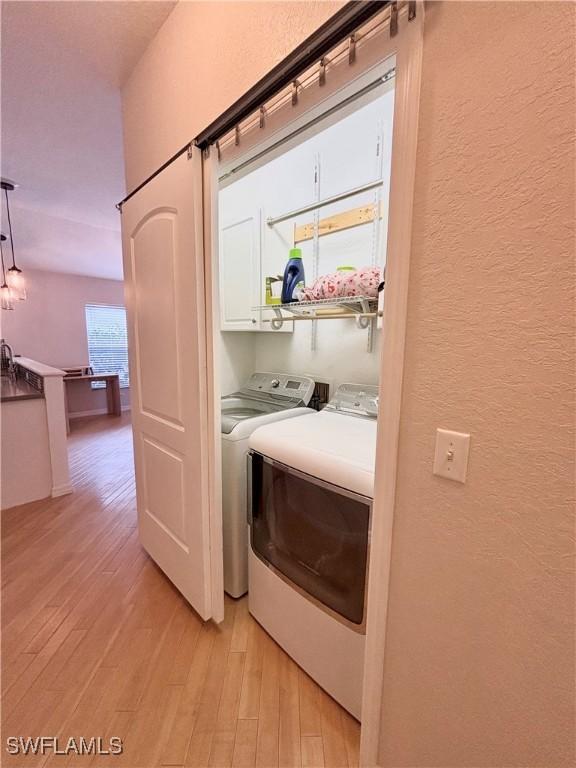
212,319
408,47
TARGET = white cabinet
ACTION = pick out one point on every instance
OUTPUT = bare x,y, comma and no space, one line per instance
249,251
240,274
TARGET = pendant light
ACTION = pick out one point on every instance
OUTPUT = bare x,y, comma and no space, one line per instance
5,293
14,277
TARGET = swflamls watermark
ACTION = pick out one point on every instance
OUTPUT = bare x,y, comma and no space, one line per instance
43,745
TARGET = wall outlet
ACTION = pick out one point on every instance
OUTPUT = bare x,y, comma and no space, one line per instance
451,455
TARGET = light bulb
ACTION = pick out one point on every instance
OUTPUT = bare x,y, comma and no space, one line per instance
17,283
6,297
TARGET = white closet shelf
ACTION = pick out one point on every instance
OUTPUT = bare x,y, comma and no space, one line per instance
363,308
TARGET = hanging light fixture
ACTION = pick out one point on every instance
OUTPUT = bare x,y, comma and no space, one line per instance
14,276
5,292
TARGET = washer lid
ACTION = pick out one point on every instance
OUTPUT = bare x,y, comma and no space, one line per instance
237,408
337,448
243,429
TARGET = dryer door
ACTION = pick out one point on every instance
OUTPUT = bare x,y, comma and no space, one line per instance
313,534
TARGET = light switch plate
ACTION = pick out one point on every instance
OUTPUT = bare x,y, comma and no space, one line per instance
451,455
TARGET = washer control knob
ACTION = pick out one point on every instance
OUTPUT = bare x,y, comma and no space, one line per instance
275,383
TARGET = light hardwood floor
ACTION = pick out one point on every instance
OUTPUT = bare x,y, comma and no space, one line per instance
97,642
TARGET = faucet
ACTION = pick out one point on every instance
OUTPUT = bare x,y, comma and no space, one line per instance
6,354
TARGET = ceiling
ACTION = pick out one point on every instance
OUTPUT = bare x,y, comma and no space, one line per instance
63,64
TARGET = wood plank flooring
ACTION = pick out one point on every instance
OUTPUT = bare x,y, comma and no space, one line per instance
97,642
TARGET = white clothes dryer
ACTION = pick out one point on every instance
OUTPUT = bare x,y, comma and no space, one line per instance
311,485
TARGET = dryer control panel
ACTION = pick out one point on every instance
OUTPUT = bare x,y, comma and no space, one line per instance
356,400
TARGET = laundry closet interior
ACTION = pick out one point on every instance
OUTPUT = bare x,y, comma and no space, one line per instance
257,365
297,480
348,151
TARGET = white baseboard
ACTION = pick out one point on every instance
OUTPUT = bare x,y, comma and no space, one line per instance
62,490
95,412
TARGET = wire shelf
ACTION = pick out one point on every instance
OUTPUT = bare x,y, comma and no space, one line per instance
352,305
364,309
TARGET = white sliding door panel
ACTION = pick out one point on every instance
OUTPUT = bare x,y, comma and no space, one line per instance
162,231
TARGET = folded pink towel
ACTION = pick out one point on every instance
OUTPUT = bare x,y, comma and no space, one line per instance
360,282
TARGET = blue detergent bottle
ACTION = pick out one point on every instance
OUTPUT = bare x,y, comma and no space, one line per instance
293,274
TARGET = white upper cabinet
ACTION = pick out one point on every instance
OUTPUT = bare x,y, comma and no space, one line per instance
240,273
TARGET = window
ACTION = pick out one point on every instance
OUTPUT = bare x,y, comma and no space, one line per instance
107,341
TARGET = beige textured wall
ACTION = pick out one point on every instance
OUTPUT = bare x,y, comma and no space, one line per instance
480,648
478,667
205,56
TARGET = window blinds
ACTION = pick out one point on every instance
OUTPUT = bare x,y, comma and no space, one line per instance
107,340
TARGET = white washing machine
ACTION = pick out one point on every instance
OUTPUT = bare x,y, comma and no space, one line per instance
267,397
311,489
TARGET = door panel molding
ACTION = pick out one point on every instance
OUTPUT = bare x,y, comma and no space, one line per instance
171,461
152,306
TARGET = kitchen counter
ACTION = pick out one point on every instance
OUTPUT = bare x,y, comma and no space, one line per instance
33,425
17,389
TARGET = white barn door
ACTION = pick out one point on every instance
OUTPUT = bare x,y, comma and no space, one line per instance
162,237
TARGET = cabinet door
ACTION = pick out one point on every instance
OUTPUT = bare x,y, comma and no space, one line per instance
239,274
162,231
